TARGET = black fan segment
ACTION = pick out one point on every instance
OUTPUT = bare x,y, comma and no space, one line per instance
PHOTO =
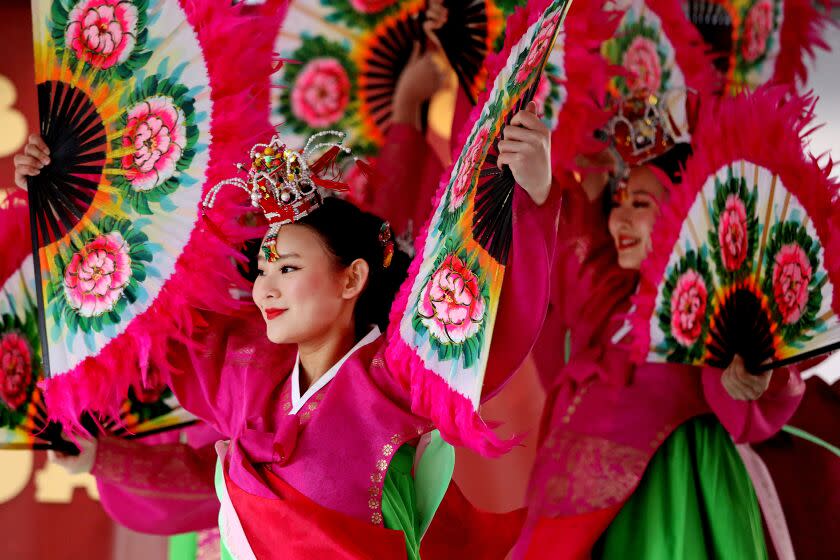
464,41
492,224
741,325
714,23
382,64
75,134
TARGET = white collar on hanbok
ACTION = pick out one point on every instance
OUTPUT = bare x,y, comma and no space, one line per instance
297,400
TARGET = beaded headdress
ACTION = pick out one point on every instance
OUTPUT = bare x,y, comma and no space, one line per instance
646,127
286,186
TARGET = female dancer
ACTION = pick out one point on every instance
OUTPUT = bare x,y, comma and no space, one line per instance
638,459
320,452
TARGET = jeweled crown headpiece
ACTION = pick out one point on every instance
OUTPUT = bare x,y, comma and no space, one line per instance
282,182
646,127
285,185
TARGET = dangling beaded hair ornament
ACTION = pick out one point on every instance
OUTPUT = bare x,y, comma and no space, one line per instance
284,185
644,128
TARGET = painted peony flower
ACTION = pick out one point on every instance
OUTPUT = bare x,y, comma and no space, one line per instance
321,93
758,25
792,274
102,32
451,306
97,275
688,308
541,43
15,369
463,179
641,59
371,6
157,130
732,233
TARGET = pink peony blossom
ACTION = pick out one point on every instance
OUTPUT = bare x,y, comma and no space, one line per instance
15,369
688,308
463,180
371,6
157,131
102,32
757,28
536,53
97,275
321,93
641,59
451,306
791,276
732,233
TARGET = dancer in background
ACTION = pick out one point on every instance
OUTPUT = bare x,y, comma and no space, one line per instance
637,461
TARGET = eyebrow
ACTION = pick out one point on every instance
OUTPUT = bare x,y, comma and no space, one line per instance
260,257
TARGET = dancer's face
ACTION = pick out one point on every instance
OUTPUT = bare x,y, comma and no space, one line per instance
634,211
305,293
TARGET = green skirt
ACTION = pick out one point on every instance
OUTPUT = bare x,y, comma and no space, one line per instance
695,501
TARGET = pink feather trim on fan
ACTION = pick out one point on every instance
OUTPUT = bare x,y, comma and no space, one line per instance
240,92
803,28
452,413
768,128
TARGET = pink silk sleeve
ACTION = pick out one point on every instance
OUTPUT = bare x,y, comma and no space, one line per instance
219,369
162,489
754,421
407,176
584,275
526,288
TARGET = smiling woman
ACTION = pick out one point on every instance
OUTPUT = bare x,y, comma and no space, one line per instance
322,431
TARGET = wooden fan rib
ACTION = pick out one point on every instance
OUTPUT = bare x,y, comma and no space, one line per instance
82,184
380,76
43,107
90,157
56,190
69,98
84,169
767,217
55,92
44,222
78,105
384,97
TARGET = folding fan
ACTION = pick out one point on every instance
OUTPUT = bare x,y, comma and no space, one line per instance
745,256
24,418
658,51
136,103
467,242
761,41
349,56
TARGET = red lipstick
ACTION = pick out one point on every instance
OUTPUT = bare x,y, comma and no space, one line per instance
273,313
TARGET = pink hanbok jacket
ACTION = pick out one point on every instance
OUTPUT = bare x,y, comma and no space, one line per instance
605,417
336,448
